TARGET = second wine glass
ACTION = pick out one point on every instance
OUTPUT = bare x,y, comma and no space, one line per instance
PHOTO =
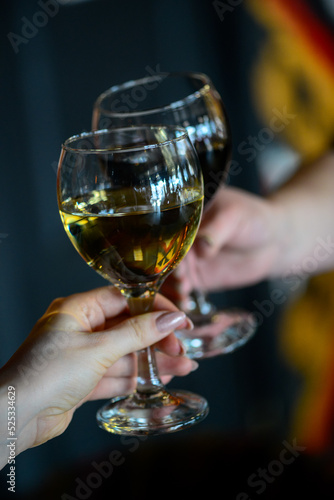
189,100
130,201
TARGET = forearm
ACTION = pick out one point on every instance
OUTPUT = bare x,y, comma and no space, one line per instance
305,211
3,426
15,434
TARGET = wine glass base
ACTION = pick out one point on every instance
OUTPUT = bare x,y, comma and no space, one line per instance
160,413
217,333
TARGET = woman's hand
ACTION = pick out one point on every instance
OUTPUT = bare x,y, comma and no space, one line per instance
238,243
81,349
244,238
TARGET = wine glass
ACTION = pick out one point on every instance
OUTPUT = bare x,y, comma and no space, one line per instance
190,100
131,200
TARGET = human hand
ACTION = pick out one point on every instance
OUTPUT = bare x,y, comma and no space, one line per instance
80,350
244,238
238,243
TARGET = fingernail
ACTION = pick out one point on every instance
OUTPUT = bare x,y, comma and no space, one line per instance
168,322
205,239
183,350
194,365
204,243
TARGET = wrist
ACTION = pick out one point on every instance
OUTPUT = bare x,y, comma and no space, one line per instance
305,205
16,421
283,239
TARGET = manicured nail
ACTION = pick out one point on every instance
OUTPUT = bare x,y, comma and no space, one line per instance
167,322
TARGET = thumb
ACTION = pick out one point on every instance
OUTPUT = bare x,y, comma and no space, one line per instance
216,230
139,332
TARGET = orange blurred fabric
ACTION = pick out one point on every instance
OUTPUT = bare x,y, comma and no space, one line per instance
294,70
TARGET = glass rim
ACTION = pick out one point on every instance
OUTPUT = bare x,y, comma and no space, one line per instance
205,79
119,149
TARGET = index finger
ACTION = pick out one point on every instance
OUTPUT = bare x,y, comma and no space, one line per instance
91,309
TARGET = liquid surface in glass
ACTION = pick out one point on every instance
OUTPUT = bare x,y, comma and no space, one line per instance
134,244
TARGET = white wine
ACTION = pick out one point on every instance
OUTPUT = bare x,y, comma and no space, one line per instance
136,244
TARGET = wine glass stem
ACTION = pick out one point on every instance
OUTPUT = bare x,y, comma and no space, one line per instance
201,303
148,381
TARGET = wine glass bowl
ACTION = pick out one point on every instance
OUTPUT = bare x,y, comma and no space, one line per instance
189,100
130,200
184,99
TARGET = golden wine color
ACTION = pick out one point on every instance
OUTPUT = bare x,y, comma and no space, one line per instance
131,245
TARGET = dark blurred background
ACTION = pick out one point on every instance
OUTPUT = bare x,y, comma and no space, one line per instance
50,78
